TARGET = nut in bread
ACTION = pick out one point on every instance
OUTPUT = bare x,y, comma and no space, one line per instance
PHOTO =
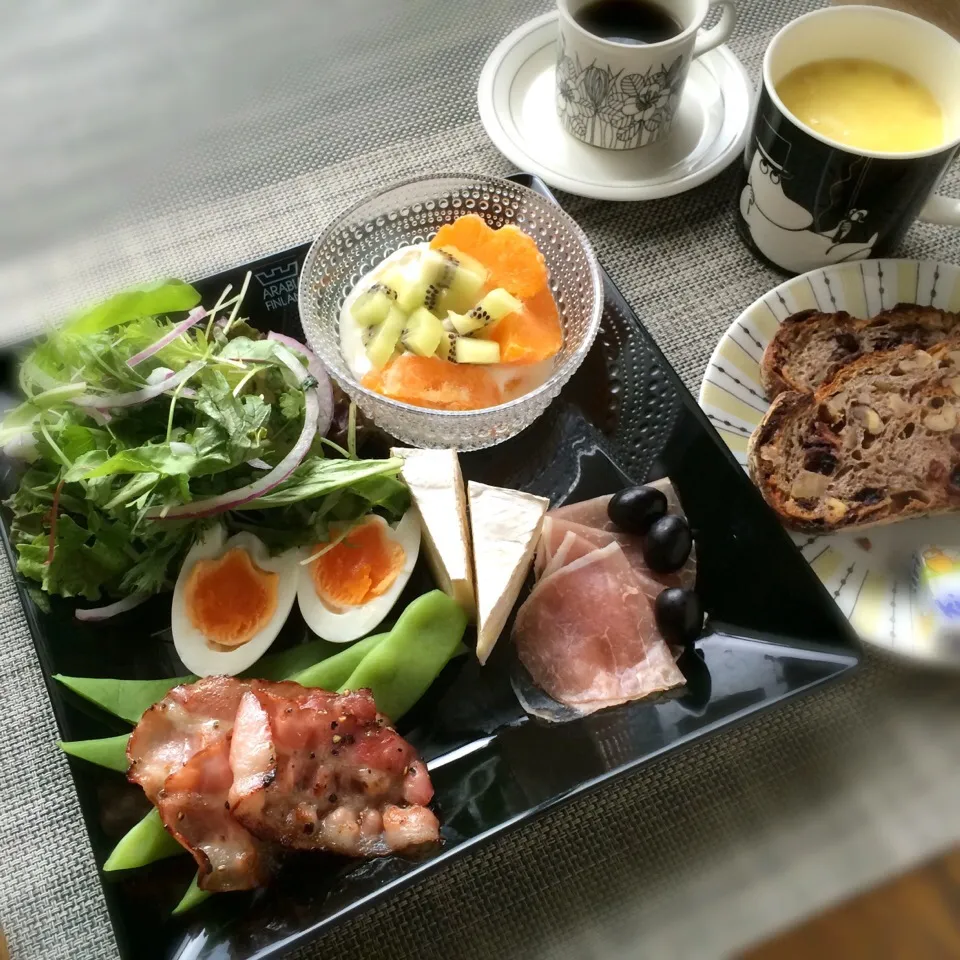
878,443
810,347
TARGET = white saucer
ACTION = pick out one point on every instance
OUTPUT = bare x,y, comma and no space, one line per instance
516,100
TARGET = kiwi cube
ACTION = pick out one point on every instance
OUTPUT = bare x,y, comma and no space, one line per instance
445,346
497,304
381,347
470,350
437,268
465,260
465,287
422,333
465,323
372,306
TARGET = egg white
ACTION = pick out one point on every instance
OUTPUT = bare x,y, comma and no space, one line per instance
191,643
356,622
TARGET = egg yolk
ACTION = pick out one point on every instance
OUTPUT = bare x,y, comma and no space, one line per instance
230,599
360,567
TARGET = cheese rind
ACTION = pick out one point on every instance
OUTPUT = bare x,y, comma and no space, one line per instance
505,528
436,488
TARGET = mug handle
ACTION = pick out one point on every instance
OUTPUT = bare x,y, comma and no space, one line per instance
941,209
708,39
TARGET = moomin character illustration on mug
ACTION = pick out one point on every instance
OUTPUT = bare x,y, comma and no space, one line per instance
785,231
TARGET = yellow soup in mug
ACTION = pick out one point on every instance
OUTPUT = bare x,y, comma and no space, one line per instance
864,105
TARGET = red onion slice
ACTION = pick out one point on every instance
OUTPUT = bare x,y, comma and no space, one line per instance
195,316
318,372
133,397
96,614
237,498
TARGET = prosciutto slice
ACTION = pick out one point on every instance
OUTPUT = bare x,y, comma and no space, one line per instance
593,513
587,636
589,521
329,774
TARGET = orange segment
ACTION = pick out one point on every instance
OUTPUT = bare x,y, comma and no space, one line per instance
360,567
530,336
468,233
229,599
435,383
508,253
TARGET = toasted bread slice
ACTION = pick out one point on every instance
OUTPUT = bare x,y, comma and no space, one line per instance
879,443
810,347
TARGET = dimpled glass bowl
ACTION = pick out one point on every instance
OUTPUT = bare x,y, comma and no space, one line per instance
412,212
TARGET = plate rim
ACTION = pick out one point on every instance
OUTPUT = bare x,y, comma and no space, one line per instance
514,152
841,660
910,654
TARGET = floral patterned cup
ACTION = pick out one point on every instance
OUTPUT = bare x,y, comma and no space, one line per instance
622,95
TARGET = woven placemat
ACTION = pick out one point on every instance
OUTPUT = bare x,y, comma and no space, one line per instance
249,126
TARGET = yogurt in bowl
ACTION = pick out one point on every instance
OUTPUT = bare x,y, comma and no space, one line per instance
432,326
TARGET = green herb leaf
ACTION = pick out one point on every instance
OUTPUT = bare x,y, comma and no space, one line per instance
292,405
317,477
166,296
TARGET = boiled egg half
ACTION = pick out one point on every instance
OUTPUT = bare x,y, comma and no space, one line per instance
230,601
351,583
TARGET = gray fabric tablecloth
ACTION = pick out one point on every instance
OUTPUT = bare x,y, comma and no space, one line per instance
183,137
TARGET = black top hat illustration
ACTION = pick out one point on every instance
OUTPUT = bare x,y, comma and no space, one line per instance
776,150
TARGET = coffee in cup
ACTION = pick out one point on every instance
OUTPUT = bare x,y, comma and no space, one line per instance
622,65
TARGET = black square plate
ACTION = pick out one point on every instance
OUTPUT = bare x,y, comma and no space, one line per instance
773,632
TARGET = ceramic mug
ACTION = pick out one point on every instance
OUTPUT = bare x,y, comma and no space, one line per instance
623,95
807,201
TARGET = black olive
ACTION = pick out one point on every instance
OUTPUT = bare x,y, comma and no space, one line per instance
635,509
679,615
667,544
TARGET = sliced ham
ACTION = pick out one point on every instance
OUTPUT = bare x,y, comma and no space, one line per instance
328,773
593,513
194,809
587,636
588,520
571,548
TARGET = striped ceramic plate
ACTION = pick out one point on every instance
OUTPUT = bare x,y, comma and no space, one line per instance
868,573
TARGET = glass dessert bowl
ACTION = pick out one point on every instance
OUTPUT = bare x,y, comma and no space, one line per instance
347,259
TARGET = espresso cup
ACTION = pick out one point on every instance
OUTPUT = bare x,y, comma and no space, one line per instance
805,200
623,95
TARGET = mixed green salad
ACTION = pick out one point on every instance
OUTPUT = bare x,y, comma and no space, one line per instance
148,414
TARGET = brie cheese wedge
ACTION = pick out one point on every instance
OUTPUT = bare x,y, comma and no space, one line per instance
436,488
505,527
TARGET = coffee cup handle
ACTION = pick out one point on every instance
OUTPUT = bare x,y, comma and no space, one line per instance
941,209
708,39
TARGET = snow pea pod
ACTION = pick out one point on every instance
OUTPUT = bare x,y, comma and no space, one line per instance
329,674
129,697
192,898
401,668
283,666
145,842
109,752
126,699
